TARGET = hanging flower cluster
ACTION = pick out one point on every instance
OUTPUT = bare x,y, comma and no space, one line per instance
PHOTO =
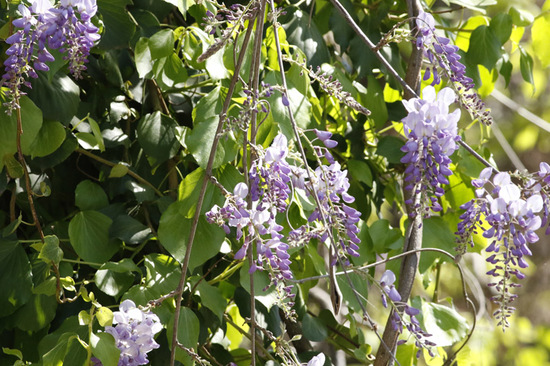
507,214
134,334
432,135
445,61
272,180
400,309
66,27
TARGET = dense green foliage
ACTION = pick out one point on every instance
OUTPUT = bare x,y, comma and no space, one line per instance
116,161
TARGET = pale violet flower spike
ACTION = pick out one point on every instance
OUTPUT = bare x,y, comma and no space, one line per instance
134,333
432,138
507,212
318,360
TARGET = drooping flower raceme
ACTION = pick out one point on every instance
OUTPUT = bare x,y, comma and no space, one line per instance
66,27
444,60
507,214
134,333
272,179
400,309
432,135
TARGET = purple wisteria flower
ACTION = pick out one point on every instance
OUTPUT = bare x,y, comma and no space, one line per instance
272,180
444,60
507,214
66,27
399,309
318,360
134,333
432,135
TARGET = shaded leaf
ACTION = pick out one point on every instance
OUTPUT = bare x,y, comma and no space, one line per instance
90,196
89,236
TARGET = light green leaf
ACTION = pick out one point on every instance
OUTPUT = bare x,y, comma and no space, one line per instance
90,196
521,18
119,170
89,236
445,324
13,352
437,234
113,283
212,298
188,334
51,252
485,48
13,166
104,348
539,33
143,58
56,355
96,131
526,66
104,316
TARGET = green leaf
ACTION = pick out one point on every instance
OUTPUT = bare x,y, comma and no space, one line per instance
89,236
384,237
261,282
113,283
129,230
314,329
119,170
501,25
143,58
104,316
539,34
173,234
359,170
161,44
445,324
374,101
187,335
96,131
49,139
104,348
170,72
58,99
13,166
36,314
437,234
15,277
521,18
526,66
183,5
303,33
485,47
13,352
390,148
156,135
119,27
56,355
90,196
31,118
205,122
212,298
51,252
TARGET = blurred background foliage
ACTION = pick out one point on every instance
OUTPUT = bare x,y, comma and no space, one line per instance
116,158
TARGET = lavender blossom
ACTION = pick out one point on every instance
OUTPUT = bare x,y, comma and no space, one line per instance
134,333
511,216
432,135
318,360
399,310
444,61
42,26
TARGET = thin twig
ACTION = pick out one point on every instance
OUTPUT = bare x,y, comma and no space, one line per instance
202,193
